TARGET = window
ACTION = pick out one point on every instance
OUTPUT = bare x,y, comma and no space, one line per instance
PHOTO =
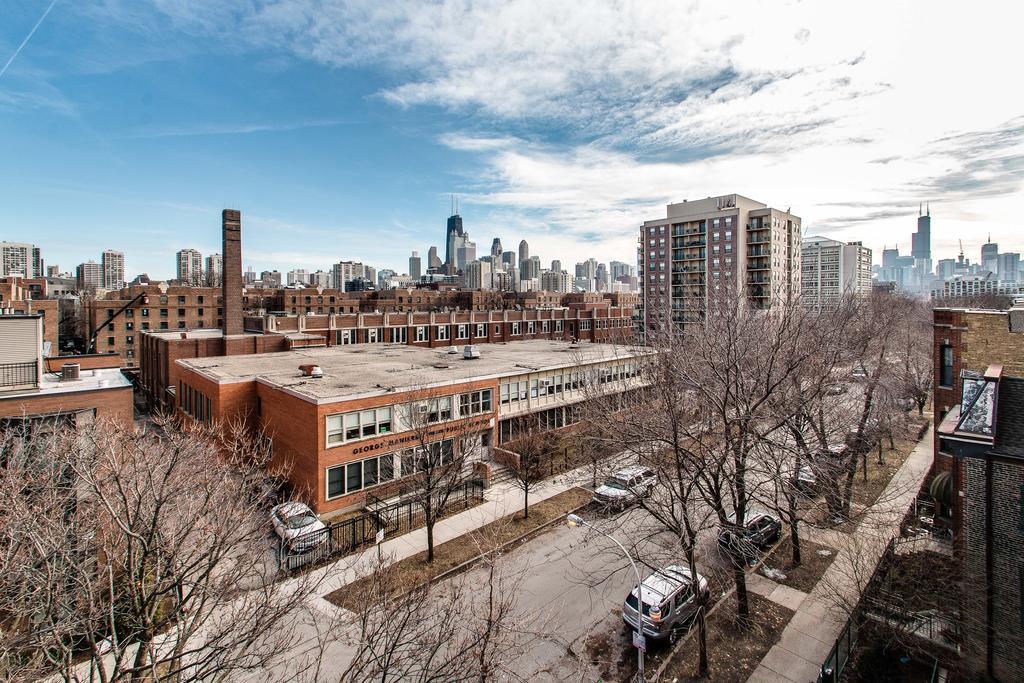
475,402
420,459
110,341
515,329
129,339
181,300
145,312
163,326
481,330
462,332
584,325
421,333
439,409
531,327
181,324
545,326
399,335
145,326
946,371
558,326
128,327
361,424
442,332
497,330
728,234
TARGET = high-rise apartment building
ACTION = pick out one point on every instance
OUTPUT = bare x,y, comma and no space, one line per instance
556,281
270,279
831,269
113,269
214,270
321,279
729,240
479,275
19,258
190,267
556,266
620,269
415,266
945,268
298,276
89,276
345,272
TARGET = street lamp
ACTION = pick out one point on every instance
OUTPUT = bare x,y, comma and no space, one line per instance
574,521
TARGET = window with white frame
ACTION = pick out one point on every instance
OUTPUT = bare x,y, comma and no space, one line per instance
481,330
436,454
515,329
474,403
462,332
399,335
421,333
373,335
438,409
544,326
584,325
497,330
360,424
345,337
531,327
558,326
359,475
442,332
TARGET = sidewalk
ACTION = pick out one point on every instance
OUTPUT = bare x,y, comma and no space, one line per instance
499,500
811,633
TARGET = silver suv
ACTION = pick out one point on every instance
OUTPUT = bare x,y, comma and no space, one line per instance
626,486
671,600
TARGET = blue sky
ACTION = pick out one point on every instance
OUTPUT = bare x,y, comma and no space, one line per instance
340,128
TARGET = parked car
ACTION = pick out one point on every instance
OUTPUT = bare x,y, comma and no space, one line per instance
670,600
743,543
298,527
626,486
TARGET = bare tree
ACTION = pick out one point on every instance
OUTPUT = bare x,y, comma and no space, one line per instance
439,459
462,629
527,456
139,555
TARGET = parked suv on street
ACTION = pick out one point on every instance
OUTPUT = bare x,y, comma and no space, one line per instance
626,486
670,600
742,544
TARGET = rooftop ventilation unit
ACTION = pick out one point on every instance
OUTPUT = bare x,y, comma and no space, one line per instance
69,372
453,349
470,351
314,371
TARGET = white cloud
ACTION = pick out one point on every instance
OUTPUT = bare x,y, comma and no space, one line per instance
630,105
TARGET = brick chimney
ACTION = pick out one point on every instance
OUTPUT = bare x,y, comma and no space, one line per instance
231,228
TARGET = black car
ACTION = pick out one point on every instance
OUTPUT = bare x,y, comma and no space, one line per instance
744,544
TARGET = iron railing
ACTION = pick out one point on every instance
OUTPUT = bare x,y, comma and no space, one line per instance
18,374
352,534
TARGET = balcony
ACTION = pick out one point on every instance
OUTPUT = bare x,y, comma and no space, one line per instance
18,376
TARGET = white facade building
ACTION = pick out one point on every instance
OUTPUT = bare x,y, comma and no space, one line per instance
831,269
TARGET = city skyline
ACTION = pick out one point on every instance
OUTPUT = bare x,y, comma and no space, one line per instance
125,122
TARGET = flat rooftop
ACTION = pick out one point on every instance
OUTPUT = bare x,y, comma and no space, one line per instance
50,383
373,369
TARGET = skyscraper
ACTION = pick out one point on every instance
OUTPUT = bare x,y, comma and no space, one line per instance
113,269
214,270
524,252
508,258
921,241
556,266
433,260
831,269
415,266
190,267
496,249
453,232
990,255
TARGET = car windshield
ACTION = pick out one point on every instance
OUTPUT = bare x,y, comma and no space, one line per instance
303,519
613,483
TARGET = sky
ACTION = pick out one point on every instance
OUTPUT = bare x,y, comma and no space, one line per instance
341,129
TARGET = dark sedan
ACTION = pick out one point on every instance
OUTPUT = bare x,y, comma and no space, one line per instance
743,544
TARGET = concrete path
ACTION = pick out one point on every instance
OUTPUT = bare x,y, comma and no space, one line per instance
821,614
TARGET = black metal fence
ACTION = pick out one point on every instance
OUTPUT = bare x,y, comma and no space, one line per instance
18,374
837,659
352,534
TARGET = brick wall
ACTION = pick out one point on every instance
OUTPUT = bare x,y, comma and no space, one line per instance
114,404
1007,566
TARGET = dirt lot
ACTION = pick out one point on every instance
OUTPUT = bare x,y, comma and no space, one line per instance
733,652
414,570
812,563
